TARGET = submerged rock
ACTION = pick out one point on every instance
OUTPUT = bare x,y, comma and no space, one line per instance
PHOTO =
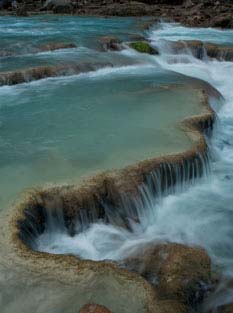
143,47
94,308
51,46
179,272
5,53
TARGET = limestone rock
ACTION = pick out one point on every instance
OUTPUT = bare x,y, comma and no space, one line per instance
199,48
40,72
110,43
179,272
94,308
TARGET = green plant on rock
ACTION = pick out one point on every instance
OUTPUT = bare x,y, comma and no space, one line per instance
143,47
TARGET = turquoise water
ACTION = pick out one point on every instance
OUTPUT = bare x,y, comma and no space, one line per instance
60,130
199,215
23,37
20,35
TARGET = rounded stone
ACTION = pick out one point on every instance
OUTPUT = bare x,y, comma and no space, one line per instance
179,272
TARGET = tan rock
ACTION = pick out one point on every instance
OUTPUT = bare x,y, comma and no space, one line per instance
199,48
110,43
94,308
179,272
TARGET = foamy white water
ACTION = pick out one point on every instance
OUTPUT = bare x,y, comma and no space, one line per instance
200,215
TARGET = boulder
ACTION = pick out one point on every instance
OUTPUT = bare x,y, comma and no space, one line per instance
94,308
110,43
180,273
143,47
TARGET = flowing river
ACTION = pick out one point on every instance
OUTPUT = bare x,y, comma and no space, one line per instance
200,214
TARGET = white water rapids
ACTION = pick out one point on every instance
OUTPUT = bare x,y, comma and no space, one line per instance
200,215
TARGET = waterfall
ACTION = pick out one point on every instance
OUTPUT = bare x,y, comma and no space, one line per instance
189,203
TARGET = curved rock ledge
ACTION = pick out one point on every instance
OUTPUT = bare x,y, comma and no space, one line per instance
50,46
40,72
199,49
104,197
94,308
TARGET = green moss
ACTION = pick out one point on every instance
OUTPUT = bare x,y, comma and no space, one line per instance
143,47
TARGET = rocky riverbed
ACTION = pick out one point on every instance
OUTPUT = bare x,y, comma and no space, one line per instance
195,13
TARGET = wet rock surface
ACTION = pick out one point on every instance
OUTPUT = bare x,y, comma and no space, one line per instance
40,72
31,49
167,278
94,308
110,43
180,273
199,49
